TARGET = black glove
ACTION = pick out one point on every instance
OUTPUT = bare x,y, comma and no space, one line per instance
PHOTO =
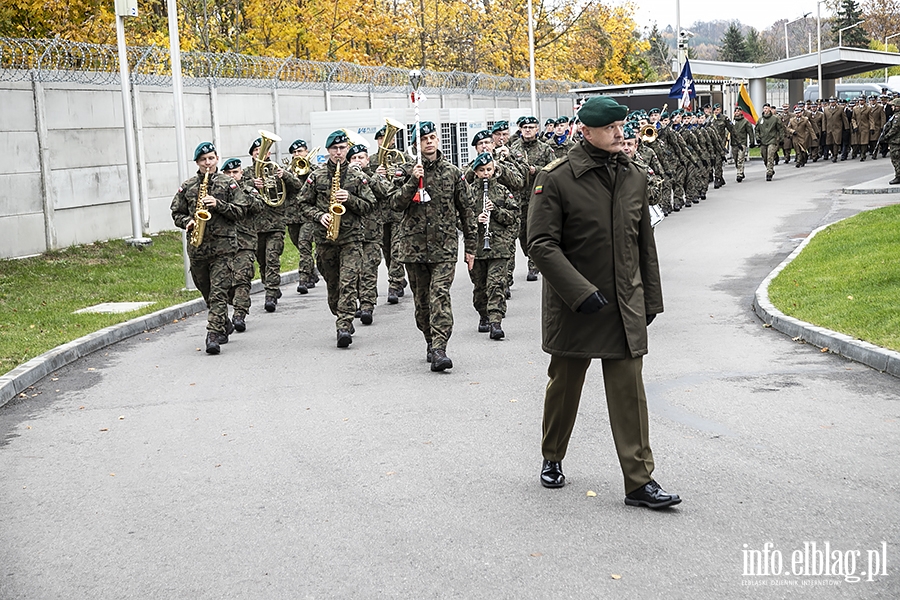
650,319
593,304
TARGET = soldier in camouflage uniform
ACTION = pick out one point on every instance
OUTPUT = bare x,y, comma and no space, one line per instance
668,151
373,229
694,177
390,242
340,260
301,232
742,130
212,260
429,245
270,225
892,139
769,133
725,130
497,215
559,142
642,154
502,148
537,155
247,243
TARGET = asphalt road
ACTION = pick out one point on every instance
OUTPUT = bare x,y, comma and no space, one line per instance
287,468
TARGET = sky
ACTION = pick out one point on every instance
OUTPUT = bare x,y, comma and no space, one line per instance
760,14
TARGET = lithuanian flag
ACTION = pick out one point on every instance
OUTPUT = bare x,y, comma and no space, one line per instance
746,105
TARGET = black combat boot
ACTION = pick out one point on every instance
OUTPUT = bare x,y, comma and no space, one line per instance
301,287
270,303
496,332
532,275
429,353
393,297
365,316
440,361
483,325
344,338
212,342
239,323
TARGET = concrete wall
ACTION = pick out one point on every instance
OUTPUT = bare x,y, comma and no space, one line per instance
65,181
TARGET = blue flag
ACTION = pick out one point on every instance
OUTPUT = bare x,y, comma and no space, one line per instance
684,87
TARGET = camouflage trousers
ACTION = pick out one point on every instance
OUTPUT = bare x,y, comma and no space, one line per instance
665,194
489,294
390,245
678,177
368,275
695,181
213,277
737,154
717,168
895,160
768,153
340,265
269,247
243,275
430,284
301,235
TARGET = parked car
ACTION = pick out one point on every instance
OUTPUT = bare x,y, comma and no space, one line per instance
848,91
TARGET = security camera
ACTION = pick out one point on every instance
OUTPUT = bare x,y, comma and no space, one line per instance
686,34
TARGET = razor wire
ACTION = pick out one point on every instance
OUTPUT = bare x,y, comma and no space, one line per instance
58,60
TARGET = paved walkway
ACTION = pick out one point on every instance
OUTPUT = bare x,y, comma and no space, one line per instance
286,468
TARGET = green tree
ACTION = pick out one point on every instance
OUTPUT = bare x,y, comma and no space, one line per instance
753,45
848,14
659,54
733,48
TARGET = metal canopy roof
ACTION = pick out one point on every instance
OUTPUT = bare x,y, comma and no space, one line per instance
836,63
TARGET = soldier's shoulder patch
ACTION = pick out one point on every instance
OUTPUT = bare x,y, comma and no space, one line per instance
181,189
398,173
365,181
538,189
309,179
556,163
232,185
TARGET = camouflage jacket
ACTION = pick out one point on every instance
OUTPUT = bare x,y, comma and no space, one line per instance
536,154
383,191
503,228
723,125
743,129
507,171
560,147
315,197
248,226
646,158
427,231
292,211
892,133
664,153
274,218
220,236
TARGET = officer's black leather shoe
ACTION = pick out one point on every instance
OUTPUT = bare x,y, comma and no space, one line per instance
651,496
496,332
366,317
484,325
212,342
301,287
768,178
344,338
239,323
552,475
894,181
270,304
429,354
532,275
393,297
440,361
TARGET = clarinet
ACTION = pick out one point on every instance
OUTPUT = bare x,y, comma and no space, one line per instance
487,226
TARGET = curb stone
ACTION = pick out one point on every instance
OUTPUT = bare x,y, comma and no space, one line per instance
17,381
886,361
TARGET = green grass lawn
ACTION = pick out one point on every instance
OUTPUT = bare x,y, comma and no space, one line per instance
38,295
848,279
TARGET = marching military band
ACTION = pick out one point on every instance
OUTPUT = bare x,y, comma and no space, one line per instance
363,206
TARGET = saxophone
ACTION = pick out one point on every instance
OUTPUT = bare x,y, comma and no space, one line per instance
334,207
201,214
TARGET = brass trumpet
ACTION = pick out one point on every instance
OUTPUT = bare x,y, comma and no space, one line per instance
300,165
274,192
388,156
648,134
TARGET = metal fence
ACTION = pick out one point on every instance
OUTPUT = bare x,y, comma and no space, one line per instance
57,60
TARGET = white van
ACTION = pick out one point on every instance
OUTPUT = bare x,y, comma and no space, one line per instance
848,91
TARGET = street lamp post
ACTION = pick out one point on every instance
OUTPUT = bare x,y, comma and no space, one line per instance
886,38
787,52
842,30
819,42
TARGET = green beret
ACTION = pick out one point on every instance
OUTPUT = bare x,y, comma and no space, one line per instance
336,137
231,163
356,149
519,120
654,111
297,145
425,127
484,134
664,115
550,121
599,111
500,126
629,133
482,159
256,144
528,121
203,148
562,121
381,133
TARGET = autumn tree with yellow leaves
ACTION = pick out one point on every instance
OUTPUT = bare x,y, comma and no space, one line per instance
585,41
